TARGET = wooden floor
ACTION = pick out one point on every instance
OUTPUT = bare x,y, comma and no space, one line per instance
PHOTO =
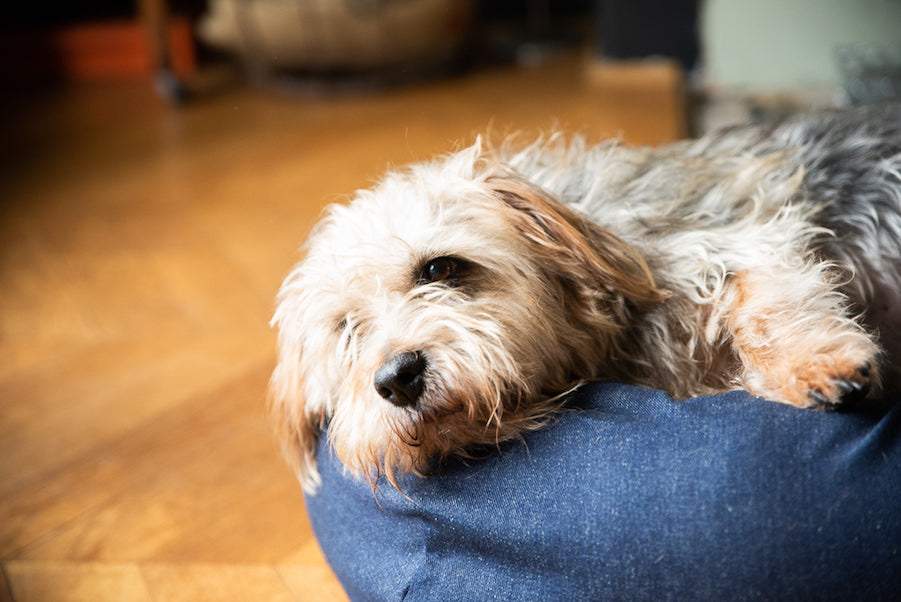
141,246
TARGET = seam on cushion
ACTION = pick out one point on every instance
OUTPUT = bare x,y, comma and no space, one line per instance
420,574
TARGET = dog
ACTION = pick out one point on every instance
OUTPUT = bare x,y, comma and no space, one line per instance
454,305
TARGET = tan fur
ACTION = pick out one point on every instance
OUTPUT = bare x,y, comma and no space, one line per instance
793,343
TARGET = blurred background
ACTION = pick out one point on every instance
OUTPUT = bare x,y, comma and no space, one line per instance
162,162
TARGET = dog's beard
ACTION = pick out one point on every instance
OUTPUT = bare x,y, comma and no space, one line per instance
476,396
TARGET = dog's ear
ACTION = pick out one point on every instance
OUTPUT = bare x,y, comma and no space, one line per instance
587,254
296,423
296,430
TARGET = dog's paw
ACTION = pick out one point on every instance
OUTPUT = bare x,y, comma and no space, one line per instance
827,389
833,373
822,381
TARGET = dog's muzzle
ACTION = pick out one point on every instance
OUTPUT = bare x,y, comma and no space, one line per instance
401,379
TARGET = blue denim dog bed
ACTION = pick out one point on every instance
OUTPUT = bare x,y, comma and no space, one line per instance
630,495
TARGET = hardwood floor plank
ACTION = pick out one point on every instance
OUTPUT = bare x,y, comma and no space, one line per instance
6,594
200,482
77,582
312,583
60,460
215,583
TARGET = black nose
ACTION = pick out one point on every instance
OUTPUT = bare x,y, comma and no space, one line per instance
400,380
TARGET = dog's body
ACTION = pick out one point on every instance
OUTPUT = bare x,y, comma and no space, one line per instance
449,307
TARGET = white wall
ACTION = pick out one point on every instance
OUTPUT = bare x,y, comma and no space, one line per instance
776,45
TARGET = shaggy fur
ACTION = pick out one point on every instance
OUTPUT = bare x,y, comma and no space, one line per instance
452,306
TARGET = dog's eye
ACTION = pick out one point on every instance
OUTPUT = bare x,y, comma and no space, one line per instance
439,270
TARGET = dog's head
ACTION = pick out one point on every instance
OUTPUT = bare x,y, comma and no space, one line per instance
441,312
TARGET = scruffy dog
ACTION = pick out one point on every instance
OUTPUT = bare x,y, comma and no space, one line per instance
451,306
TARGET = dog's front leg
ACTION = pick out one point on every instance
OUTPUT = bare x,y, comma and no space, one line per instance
795,339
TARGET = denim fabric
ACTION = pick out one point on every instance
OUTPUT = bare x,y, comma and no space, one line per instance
632,496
